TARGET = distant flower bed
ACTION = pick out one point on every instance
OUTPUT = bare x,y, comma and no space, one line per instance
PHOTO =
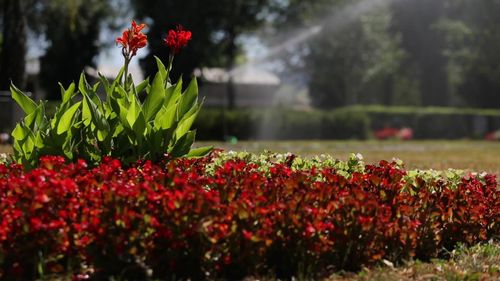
492,136
228,215
394,133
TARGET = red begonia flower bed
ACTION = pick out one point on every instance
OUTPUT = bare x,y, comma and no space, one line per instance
176,220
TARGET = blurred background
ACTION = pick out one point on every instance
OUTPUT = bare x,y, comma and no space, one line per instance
280,69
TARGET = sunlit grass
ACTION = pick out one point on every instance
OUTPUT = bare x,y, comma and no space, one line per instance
480,262
5,149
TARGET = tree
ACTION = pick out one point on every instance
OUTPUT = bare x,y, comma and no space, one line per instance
216,26
450,52
415,21
72,29
13,49
358,63
480,83
460,53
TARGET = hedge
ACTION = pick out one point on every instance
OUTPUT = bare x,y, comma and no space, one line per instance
354,122
281,124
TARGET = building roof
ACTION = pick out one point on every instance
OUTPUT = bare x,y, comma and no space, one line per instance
240,75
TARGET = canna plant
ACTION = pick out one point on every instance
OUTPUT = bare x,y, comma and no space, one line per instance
122,125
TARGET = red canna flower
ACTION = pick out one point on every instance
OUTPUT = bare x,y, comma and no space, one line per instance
133,39
177,39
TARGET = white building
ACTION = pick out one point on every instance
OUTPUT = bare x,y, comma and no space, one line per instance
252,87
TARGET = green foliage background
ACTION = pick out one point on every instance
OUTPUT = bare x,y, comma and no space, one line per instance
412,52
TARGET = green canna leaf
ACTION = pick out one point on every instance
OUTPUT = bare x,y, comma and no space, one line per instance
30,119
98,118
139,126
63,91
186,123
124,110
67,149
165,117
83,84
156,140
200,151
20,132
67,94
67,118
188,99
183,145
102,135
95,88
39,140
119,76
173,93
105,82
142,86
26,103
86,114
155,98
133,112
161,69
38,115
28,144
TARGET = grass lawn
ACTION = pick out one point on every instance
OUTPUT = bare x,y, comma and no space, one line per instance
5,149
480,262
438,155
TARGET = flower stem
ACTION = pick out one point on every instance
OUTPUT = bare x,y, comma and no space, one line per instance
125,80
170,62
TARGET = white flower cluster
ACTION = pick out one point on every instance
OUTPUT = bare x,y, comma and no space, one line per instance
3,158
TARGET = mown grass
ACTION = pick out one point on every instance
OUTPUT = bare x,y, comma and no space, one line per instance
476,263
480,262
5,149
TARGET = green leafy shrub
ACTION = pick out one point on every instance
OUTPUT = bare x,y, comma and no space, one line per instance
282,124
122,126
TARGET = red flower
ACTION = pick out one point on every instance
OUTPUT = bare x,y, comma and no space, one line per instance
177,39
310,230
133,39
36,223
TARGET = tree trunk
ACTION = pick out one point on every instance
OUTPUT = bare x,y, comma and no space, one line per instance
13,51
231,95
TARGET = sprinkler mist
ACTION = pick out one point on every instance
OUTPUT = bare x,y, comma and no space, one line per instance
336,21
